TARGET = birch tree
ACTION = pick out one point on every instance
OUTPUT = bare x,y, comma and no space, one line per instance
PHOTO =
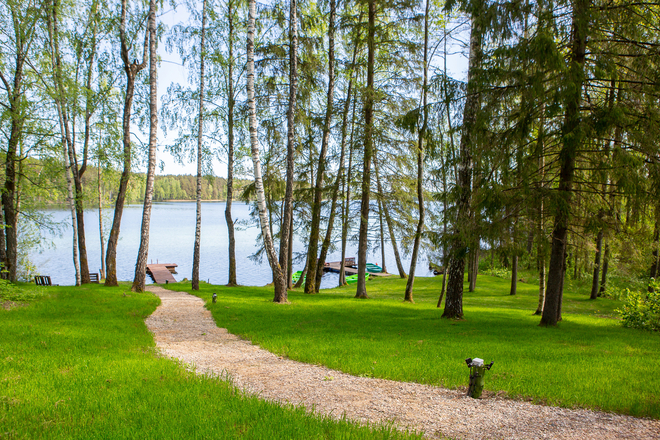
131,68
267,237
141,264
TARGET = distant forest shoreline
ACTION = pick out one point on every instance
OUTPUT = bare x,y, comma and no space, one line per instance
167,188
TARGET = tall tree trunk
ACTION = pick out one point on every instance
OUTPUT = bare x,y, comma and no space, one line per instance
278,274
200,132
313,264
594,281
474,265
340,175
571,140
65,138
458,252
9,192
540,226
655,261
408,296
79,172
69,143
388,220
653,272
131,70
101,235
382,233
280,281
141,264
514,262
606,265
514,275
445,203
361,291
230,149
74,225
346,207
4,273
289,272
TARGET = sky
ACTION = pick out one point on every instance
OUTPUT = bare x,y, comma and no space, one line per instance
171,71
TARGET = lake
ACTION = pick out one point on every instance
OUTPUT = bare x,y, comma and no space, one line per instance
171,240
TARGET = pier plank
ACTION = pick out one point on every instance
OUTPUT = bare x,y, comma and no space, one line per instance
162,273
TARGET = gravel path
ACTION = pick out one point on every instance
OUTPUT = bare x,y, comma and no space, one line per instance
185,330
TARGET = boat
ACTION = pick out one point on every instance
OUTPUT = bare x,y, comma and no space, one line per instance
296,276
374,268
352,279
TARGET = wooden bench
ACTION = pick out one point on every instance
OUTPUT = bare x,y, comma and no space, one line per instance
94,278
43,280
350,262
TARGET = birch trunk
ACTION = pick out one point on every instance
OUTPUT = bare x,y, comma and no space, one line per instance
254,144
200,132
141,264
101,235
230,149
279,279
131,70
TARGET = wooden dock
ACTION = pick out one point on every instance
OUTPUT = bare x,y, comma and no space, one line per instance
162,273
334,267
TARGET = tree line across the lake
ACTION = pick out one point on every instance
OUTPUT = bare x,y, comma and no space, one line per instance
545,153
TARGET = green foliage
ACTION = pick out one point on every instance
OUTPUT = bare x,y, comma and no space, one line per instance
81,364
500,272
12,292
642,309
590,360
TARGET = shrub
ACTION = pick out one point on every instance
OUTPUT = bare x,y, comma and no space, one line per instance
642,309
500,272
12,292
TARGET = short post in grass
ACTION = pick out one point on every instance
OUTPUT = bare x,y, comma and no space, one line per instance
215,297
477,379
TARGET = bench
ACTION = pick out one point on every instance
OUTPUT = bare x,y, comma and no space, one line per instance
349,262
94,278
43,280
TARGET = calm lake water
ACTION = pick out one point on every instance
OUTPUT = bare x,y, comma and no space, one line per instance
171,240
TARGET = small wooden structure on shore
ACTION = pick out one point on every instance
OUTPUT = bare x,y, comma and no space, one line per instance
162,273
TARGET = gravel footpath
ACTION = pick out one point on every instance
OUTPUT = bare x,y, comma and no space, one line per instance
185,330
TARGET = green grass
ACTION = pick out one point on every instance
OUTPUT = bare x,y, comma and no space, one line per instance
80,363
589,360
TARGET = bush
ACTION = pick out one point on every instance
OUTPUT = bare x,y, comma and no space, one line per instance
500,272
12,292
642,309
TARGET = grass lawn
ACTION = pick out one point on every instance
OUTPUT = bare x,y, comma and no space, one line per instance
589,360
79,363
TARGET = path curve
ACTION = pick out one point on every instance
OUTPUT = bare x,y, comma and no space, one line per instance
184,329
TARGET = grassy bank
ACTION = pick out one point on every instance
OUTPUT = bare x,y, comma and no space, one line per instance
590,360
80,363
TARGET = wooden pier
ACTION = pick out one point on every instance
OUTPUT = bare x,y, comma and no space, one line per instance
334,267
162,273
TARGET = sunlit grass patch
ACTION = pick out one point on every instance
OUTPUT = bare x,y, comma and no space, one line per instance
589,360
80,363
